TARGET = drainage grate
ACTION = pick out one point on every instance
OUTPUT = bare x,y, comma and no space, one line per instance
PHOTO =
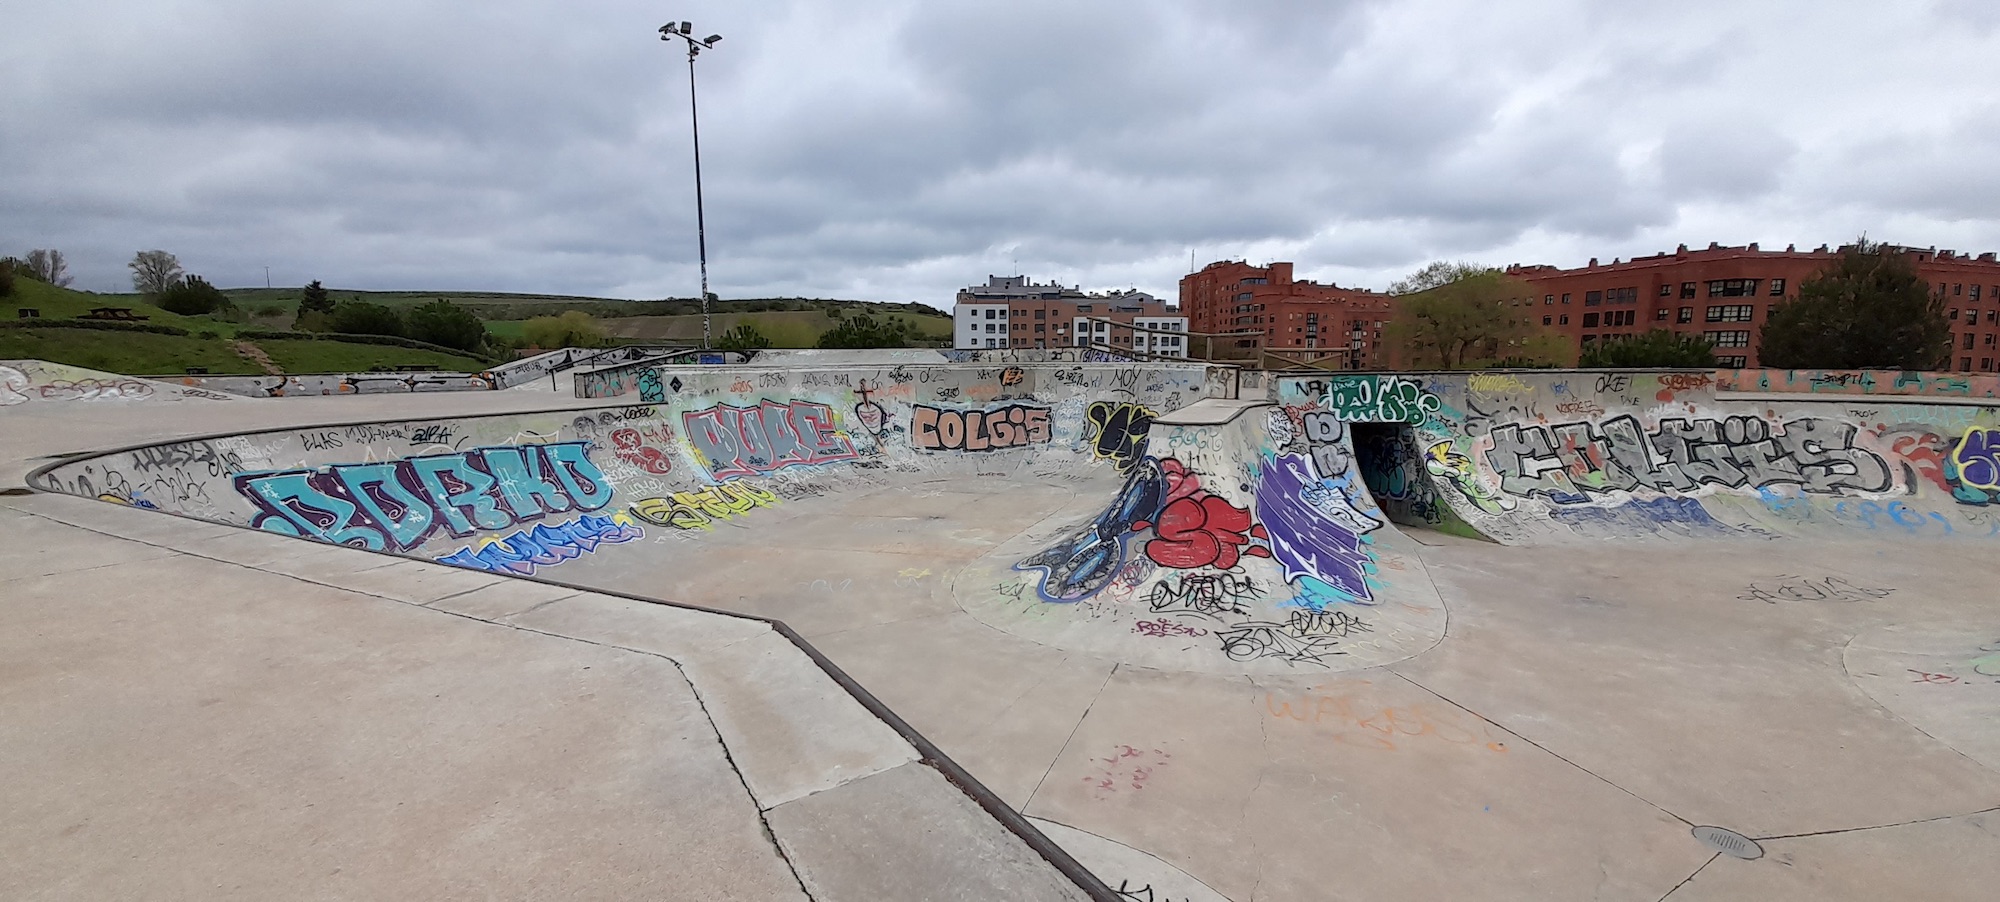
1729,842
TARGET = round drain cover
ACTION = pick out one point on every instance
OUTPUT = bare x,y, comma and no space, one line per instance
1729,842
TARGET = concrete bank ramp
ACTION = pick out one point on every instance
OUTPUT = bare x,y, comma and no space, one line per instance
1526,458
40,382
1229,548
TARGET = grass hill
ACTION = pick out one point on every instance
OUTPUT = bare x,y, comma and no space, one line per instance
219,344
788,322
58,335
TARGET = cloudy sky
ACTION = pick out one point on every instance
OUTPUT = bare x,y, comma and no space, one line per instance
887,150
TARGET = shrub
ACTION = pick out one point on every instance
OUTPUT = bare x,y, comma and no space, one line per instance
444,323
363,318
744,337
192,296
6,277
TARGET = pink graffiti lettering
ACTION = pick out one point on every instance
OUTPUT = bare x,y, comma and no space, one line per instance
744,441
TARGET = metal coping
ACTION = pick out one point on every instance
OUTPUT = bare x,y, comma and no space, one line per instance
930,754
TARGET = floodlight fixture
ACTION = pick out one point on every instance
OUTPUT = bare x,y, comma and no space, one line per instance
695,47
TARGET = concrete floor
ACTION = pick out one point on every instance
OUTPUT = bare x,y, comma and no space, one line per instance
1588,707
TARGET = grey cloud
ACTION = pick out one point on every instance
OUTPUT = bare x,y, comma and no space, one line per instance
899,150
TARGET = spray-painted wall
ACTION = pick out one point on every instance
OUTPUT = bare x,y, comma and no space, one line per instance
1860,382
332,384
1531,457
522,493
26,381
656,383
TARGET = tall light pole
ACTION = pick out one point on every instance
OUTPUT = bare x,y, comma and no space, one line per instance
685,32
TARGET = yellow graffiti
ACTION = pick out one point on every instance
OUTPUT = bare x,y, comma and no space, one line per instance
700,509
1442,462
1494,383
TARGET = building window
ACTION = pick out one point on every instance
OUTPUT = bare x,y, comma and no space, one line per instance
1732,288
1958,288
1593,298
1565,297
1243,297
1040,314
1666,291
1589,320
1687,290
1967,343
1972,317
1734,362
1951,314
1548,300
1546,320
1255,280
1589,340
1731,313
992,343
1732,339
1661,315
1778,288
1986,364
1622,296
1684,315
1965,363
1621,317
1989,317
1975,291
1040,327
1562,320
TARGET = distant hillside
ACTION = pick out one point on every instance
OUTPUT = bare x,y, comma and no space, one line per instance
59,335
491,305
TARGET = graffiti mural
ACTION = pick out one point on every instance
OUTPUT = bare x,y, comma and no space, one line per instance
1011,426
522,553
1118,431
742,441
1378,399
644,449
397,505
1197,528
1322,554
701,508
1563,463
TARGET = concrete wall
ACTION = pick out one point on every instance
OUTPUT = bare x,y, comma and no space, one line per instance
39,381
524,493
332,384
1861,382
1576,455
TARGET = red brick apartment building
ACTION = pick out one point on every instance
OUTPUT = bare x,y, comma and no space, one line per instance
1286,313
1726,293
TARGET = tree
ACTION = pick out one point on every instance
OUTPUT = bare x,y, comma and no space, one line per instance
744,337
6,277
863,331
1462,315
1866,310
442,322
1438,275
315,299
47,265
192,296
574,329
362,318
1653,349
153,272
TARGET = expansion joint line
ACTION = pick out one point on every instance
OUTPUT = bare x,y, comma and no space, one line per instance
1503,728
1070,738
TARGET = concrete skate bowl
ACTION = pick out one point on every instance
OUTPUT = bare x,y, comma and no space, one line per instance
31,383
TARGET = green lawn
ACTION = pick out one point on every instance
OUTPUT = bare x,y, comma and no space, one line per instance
130,353
62,303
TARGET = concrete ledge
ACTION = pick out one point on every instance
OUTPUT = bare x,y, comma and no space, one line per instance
1209,412
907,834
